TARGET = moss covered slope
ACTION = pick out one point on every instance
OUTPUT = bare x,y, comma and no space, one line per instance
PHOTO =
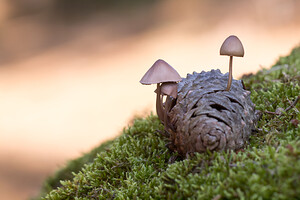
137,165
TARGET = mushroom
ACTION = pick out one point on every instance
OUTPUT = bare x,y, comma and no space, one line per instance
169,89
160,72
232,46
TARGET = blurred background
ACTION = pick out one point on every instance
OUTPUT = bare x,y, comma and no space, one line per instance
70,69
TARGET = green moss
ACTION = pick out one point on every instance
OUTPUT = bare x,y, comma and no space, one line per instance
73,166
137,165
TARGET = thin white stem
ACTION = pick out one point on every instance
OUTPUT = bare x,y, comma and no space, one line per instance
230,74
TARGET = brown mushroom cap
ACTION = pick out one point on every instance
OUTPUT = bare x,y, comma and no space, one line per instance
160,72
169,88
232,46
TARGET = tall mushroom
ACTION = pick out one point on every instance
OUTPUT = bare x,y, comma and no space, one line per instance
160,72
232,46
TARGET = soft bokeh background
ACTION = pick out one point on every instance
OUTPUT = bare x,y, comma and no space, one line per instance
70,69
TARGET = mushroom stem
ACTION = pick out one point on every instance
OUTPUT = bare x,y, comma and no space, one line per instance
230,74
159,109
167,108
162,106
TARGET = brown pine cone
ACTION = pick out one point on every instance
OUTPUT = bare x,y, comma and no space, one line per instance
206,117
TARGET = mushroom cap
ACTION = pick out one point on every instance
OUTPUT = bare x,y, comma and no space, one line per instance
160,72
169,88
232,46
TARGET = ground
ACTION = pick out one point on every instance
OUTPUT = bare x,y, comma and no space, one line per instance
138,165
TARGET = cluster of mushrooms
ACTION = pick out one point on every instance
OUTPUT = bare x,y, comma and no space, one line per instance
166,78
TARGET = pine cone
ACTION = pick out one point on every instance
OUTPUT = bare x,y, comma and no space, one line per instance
206,117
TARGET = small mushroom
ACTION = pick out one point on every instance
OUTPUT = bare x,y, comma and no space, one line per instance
160,72
169,89
232,46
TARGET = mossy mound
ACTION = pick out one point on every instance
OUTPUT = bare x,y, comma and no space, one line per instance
137,165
